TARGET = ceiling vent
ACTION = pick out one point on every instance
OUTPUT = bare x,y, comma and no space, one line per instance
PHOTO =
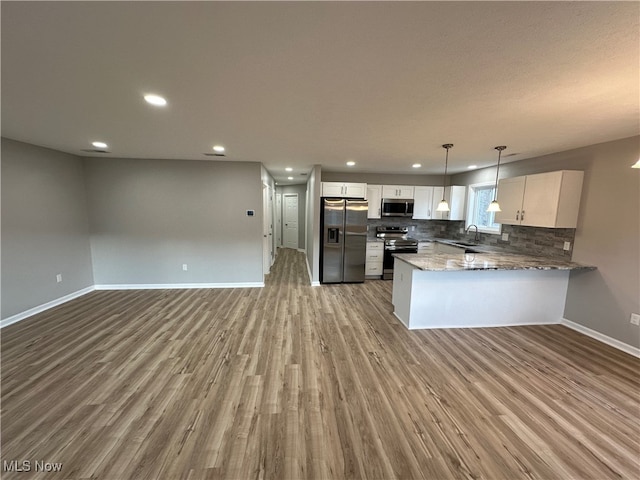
214,154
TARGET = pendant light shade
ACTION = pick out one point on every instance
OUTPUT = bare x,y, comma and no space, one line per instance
495,206
636,165
443,206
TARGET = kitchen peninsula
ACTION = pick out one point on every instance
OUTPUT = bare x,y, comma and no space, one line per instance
450,290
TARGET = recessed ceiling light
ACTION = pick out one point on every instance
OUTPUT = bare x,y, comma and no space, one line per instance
289,169
472,167
99,144
351,163
416,165
289,178
156,100
218,148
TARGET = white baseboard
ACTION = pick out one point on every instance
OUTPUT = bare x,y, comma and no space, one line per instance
601,337
45,306
302,250
171,286
84,291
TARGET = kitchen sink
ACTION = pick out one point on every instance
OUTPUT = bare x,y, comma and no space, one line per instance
464,244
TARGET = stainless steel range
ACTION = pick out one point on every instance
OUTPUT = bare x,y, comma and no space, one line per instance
395,241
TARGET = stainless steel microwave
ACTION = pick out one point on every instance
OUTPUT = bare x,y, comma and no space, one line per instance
397,207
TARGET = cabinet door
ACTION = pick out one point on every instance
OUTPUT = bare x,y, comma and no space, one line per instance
397,191
390,191
422,203
405,191
332,189
438,195
374,197
456,195
541,196
355,190
510,195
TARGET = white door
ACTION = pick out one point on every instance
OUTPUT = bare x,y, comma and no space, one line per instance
266,230
279,219
290,234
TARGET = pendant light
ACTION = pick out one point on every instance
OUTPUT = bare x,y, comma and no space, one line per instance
495,206
636,165
443,206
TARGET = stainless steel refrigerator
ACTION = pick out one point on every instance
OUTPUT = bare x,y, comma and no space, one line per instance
344,240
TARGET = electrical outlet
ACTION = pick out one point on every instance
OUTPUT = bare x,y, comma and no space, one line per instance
461,230
59,278
443,228
635,319
184,267
567,246
505,237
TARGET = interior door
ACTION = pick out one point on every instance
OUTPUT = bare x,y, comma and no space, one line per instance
279,219
290,234
266,228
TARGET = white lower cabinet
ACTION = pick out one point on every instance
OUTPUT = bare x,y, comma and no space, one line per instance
375,255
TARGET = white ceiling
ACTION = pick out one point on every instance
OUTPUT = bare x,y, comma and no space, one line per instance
298,84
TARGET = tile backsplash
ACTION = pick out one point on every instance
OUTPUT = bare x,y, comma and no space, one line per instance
546,242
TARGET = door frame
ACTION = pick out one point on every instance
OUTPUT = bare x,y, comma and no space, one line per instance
284,205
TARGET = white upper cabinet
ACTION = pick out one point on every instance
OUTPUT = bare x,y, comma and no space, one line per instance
339,189
397,191
549,200
455,196
422,203
374,197
510,194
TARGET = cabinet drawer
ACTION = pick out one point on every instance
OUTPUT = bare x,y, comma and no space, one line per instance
374,269
375,257
374,247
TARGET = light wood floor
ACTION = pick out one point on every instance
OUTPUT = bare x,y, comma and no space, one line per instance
295,382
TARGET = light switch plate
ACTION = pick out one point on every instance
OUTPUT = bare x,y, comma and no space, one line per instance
505,237
635,319
59,278
567,245
185,267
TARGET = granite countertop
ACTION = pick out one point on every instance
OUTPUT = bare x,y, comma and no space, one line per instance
453,262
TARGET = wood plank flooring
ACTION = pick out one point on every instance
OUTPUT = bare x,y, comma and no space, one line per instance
299,382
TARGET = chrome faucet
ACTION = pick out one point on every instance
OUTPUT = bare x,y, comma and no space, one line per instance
476,238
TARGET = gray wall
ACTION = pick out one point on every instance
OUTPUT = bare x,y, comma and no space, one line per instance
301,190
45,229
148,217
382,179
607,236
